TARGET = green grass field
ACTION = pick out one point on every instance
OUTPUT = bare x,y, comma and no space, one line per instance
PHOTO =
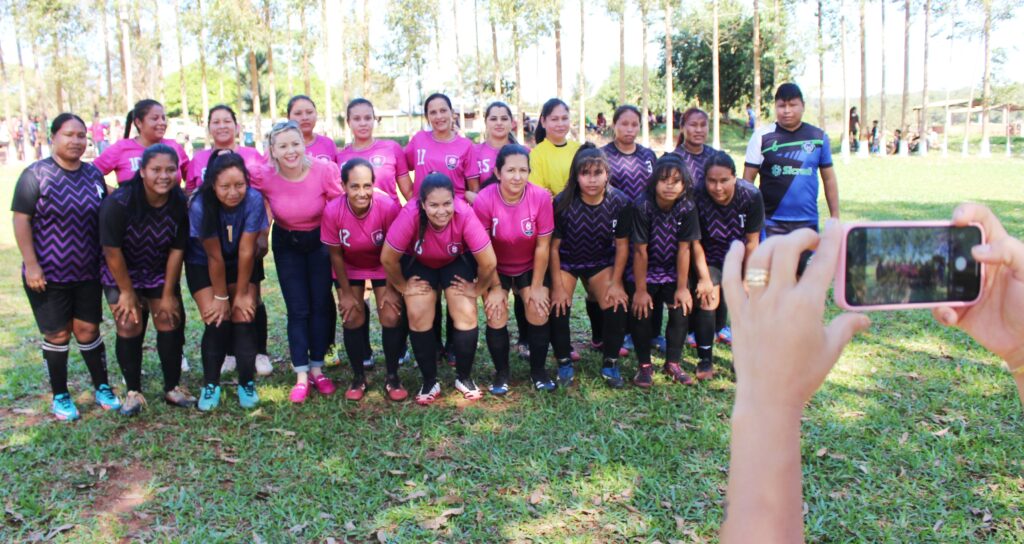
915,437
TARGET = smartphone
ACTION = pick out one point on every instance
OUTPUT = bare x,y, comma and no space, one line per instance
898,265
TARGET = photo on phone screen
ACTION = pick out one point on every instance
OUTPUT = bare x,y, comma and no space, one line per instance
896,265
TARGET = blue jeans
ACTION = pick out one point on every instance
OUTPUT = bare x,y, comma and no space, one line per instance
304,271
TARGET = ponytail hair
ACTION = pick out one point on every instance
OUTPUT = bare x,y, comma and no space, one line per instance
435,96
500,104
140,111
549,107
351,164
435,181
720,158
358,102
220,160
504,153
137,205
295,99
586,157
682,123
664,167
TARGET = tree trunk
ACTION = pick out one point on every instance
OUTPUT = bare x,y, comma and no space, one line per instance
271,80
306,84
478,90
254,88
366,49
519,79
21,92
905,99
986,80
494,50
102,8
458,70
622,56
159,79
863,132
669,75
777,43
289,58
238,86
181,61
881,116
328,101
6,87
965,146
757,61
582,135
821,65
201,37
645,128
947,120
716,80
922,130
844,142
558,51
58,80
126,58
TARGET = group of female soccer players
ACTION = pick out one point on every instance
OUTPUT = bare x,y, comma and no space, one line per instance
482,221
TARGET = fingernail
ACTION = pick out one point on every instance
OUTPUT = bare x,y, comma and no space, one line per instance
983,249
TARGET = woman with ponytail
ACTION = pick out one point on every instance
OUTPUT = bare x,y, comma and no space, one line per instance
302,111
442,149
553,154
150,124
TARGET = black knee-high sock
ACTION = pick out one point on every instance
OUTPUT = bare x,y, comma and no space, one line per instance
56,358
522,325
356,349
614,329
721,315
675,334
705,334
215,343
424,346
438,321
449,330
365,330
560,340
464,346
657,319
129,358
168,348
245,337
498,344
596,324
332,337
95,355
642,334
539,336
393,339
260,322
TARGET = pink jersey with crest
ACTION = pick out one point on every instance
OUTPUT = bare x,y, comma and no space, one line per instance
360,238
197,166
485,160
424,155
388,162
299,205
124,158
322,148
439,247
514,228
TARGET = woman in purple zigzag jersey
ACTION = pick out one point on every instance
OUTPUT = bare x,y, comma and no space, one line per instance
56,223
144,232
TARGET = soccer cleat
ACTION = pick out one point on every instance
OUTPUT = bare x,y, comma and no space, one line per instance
613,377
209,397
545,384
705,371
357,389
659,344
565,374
133,404
596,345
180,397
229,364
500,386
406,359
64,408
395,391
368,363
263,365
691,340
675,372
323,384
725,335
468,389
425,397
644,376
106,399
333,355
247,397
627,342
574,355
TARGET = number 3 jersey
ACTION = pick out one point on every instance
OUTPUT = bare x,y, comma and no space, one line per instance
360,238
514,228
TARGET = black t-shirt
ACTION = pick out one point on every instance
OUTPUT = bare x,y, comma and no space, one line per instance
146,237
662,231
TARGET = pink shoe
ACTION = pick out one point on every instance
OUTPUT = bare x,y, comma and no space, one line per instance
323,384
299,393
574,355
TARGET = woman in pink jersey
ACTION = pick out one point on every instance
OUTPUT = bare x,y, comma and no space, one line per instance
354,226
302,110
520,218
296,189
390,169
123,158
428,248
443,150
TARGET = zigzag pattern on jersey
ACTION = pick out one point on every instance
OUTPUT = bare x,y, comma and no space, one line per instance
588,237
629,173
662,241
145,246
65,226
720,225
697,163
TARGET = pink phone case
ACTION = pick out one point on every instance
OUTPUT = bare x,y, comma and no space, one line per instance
839,293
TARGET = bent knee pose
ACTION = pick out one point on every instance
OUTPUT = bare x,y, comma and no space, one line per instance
226,218
590,243
144,231
56,209
520,220
664,226
354,226
730,209
437,243
296,190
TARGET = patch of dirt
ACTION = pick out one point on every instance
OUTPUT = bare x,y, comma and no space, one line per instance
19,418
118,498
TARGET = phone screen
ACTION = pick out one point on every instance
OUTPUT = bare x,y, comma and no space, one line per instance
906,265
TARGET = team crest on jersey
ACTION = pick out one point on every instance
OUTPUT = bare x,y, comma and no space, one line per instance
776,170
454,248
808,147
377,160
527,225
377,237
451,161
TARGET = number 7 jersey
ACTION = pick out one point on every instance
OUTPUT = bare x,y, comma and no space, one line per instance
514,228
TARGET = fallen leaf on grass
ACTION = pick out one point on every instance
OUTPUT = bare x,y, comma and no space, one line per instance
904,437
938,525
211,439
26,412
631,508
440,521
396,472
536,497
410,483
296,529
58,530
14,515
325,515
451,499
821,452
349,526
394,455
228,459
284,432
941,432
410,497
565,449
852,413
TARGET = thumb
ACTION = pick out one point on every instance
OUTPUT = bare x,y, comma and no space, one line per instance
842,329
1008,252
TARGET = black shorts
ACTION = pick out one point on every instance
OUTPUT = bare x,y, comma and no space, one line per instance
585,274
112,293
716,277
198,275
464,266
521,281
361,283
60,303
776,228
